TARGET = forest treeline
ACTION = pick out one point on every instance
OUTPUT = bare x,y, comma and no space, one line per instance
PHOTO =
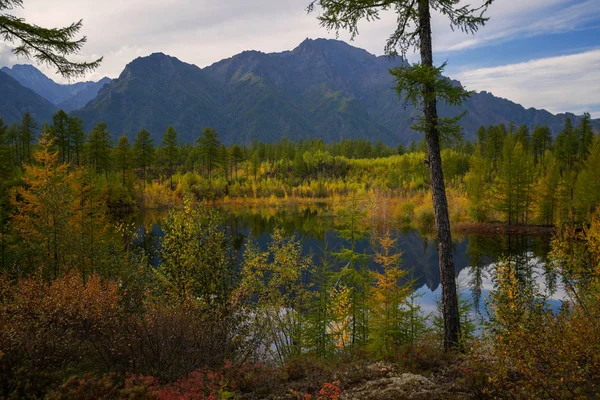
509,174
83,312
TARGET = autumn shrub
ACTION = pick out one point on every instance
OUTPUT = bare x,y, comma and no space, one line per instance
425,218
48,329
118,200
530,351
201,384
171,340
52,330
254,378
109,386
405,212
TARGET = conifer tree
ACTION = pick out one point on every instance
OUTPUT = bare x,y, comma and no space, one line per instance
27,132
225,161
46,45
210,147
320,335
237,156
13,139
587,191
566,147
522,136
60,130
123,157
143,152
42,211
170,150
540,142
98,148
77,136
478,187
388,296
420,84
513,183
353,276
548,189
586,137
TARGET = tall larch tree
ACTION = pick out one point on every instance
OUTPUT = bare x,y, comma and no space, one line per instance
143,152
170,150
541,141
27,132
41,212
210,147
420,84
77,136
98,148
60,130
586,137
123,157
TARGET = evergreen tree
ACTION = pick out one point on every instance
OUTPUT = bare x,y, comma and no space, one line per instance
13,139
495,145
143,152
586,137
388,297
48,46
354,278
421,84
61,137
522,136
77,136
237,156
566,147
27,133
98,148
540,142
513,184
255,163
123,157
170,150
478,187
225,161
548,189
42,212
587,190
210,150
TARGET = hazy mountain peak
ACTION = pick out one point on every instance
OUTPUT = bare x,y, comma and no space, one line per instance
66,96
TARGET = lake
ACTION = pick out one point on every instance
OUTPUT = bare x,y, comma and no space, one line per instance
475,255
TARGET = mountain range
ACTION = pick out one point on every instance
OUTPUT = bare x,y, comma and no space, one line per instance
67,97
322,88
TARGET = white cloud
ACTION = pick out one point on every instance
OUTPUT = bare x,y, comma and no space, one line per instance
558,84
518,19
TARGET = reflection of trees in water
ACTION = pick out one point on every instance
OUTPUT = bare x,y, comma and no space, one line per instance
419,257
529,255
316,229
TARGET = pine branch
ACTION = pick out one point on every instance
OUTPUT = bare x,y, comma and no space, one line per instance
46,46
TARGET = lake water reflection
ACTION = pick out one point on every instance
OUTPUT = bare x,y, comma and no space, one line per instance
474,255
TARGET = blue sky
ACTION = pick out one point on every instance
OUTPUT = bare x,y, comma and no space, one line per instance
539,53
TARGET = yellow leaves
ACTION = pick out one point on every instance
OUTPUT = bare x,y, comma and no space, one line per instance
531,352
341,302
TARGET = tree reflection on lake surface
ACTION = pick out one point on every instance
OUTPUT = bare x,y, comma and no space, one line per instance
475,254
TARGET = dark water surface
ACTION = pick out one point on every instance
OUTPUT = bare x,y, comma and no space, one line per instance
474,255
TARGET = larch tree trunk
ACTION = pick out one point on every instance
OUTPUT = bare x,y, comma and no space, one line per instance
442,219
